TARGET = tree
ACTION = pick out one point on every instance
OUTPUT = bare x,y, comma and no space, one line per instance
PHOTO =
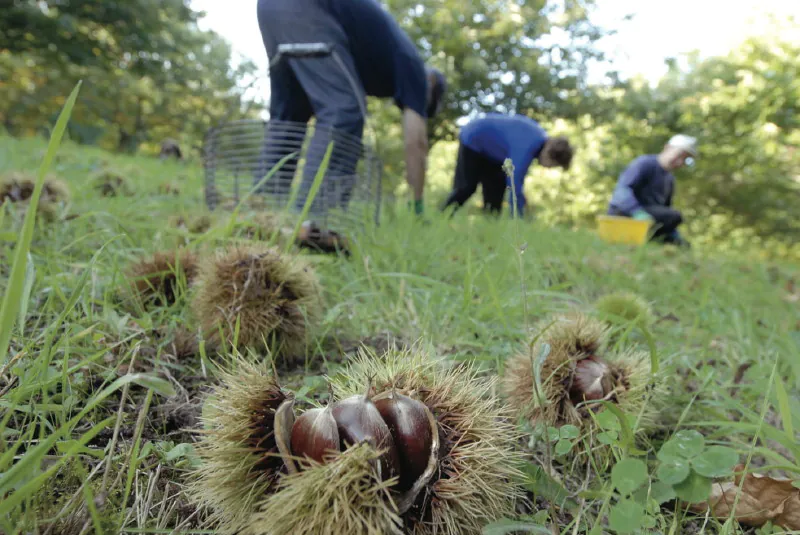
528,57
149,71
745,187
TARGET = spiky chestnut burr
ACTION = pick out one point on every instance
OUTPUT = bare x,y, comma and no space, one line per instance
161,278
475,477
111,184
275,298
470,477
577,372
17,187
241,462
625,307
345,495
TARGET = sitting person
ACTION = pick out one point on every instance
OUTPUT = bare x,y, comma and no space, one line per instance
645,188
486,142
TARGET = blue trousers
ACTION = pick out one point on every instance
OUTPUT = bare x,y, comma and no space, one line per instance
302,88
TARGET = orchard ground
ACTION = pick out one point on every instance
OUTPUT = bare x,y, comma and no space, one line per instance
727,334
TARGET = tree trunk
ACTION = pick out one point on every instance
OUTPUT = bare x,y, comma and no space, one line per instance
129,142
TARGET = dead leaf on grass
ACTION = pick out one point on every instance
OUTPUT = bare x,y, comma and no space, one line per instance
762,499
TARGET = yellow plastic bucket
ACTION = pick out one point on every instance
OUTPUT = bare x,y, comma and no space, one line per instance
615,229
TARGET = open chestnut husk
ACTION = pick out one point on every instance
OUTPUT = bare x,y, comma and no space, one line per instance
239,453
472,479
261,470
577,373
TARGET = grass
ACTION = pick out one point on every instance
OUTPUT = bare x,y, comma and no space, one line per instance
96,403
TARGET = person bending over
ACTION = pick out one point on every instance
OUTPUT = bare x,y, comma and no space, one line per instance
371,56
484,145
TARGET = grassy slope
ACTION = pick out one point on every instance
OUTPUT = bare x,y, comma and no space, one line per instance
473,288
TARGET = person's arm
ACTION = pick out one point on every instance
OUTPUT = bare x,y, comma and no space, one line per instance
522,158
624,197
520,170
415,132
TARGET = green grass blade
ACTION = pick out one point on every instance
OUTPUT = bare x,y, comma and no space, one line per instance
30,276
31,486
311,194
157,384
651,345
134,457
277,167
784,407
12,298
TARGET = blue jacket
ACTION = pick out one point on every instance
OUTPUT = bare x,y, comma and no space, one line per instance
498,137
643,183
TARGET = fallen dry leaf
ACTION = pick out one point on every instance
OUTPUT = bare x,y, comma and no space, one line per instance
762,499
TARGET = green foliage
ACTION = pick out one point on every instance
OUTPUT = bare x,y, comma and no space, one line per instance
628,475
688,465
562,438
498,55
743,107
530,57
673,470
153,73
627,515
685,470
65,390
15,296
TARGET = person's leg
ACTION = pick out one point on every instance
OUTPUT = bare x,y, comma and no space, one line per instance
335,93
285,131
465,179
667,221
289,107
493,183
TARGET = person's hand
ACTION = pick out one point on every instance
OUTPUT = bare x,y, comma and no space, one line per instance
641,215
417,206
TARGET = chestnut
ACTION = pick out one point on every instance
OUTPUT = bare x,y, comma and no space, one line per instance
358,420
411,430
591,381
315,435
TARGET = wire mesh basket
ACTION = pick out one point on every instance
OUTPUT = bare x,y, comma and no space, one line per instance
278,161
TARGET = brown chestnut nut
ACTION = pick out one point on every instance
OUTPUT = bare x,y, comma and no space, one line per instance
411,430
314,434
591,381
358,420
